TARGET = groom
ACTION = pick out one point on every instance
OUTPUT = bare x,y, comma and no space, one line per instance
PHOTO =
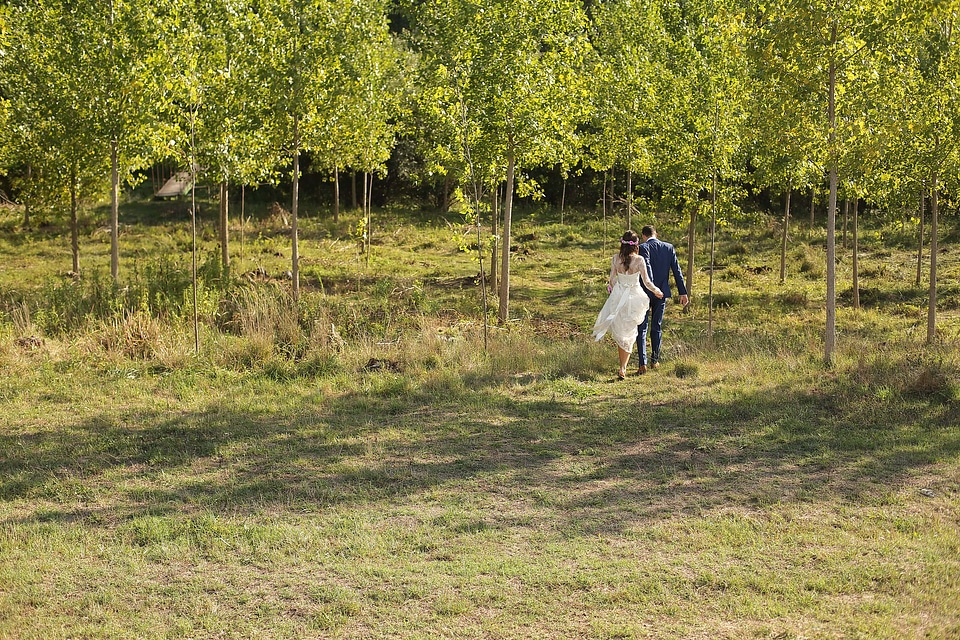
661,261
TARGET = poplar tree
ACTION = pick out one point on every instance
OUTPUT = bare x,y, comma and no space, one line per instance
107,58
319,62
214,86
701,93
812,43
630,43
931,124
510,77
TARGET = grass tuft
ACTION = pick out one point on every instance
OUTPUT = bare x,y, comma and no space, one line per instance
686,370
934,382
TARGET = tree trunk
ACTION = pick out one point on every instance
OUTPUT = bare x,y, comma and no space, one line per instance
629,198
243,212
353,190
367,204
494,215
115,210
813,206
225,228
932,304
363,196
920,240
336,194
193,229
445,205
830,333
563,198
784,236
294,235
74,223
692,242
193,258
603,201
856,251
846,214
26,201
613,193
504,311
713,247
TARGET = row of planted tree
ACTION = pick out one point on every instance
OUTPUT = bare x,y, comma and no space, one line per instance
692,96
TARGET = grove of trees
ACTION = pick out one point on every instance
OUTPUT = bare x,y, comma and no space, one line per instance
685,105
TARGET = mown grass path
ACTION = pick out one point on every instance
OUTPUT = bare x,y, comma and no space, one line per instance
730,504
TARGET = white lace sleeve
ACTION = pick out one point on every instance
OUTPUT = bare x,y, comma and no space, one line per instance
647,282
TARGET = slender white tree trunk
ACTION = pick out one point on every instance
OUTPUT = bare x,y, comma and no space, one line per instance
114,211
243,205
225,227
26,201
445,204
932,304
629,199
830,333
336,194
494,216
367,205
785,234
504,311
713,247
294,229
856,253
563,199
920,235
692,241
603,200
193,229
74,222
846,215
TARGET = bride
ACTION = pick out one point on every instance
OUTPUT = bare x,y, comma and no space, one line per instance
628,302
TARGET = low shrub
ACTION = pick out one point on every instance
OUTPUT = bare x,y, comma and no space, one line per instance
933,382
136,336
794,299
812,262
686,369
722,300
569,239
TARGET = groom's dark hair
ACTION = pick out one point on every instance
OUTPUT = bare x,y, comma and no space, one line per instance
648,231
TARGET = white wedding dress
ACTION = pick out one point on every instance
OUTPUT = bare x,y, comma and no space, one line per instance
627,304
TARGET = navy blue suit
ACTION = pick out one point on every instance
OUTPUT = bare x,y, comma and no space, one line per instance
661,260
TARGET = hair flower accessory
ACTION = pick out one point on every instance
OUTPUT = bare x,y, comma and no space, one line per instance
633,242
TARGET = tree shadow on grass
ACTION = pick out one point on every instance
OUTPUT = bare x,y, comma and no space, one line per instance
589,466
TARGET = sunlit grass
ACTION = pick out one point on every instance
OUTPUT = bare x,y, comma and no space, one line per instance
367,465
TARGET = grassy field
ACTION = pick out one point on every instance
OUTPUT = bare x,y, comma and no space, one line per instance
373,472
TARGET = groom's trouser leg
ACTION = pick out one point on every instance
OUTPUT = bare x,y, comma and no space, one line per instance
657,308
642,339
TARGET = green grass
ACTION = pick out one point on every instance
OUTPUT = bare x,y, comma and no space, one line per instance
278,487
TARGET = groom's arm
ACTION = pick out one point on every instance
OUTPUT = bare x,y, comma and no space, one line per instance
678,276
644,252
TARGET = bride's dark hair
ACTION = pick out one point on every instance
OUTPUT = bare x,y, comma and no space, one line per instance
629,245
